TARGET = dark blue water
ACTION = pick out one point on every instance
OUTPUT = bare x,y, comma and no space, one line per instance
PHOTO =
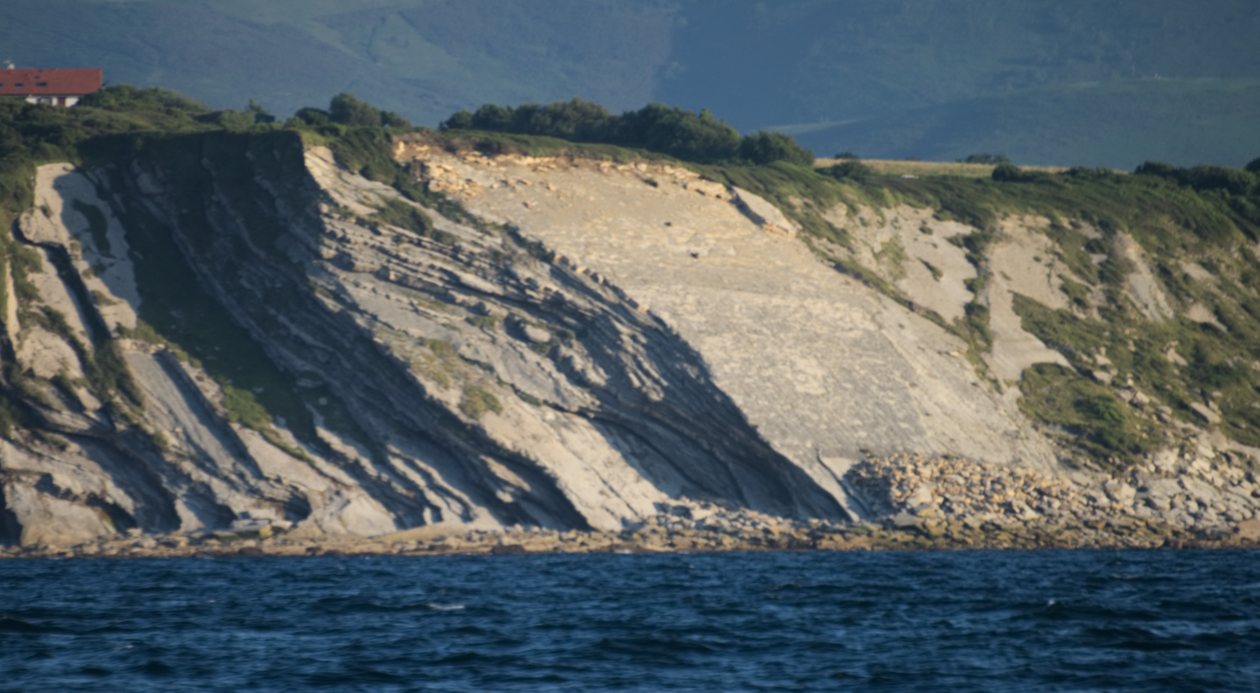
963,621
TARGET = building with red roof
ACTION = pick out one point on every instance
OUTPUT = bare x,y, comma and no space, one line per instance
56,87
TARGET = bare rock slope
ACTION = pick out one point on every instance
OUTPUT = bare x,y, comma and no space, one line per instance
577,344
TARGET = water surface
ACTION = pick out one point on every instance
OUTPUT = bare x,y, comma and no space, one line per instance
947,621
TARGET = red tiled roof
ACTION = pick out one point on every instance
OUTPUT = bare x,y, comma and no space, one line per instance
51,82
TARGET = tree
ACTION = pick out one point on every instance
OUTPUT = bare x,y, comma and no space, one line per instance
313,116
391,119
1254,166
348,110
768,147
462,120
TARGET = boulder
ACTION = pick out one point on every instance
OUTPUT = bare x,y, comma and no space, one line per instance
1249,530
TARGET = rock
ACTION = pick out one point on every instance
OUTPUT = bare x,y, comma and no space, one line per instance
490,310
905,519
535,334
763,213
1120,491
1211,417
1249,530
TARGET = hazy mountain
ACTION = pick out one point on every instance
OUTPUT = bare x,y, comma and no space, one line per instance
1096,83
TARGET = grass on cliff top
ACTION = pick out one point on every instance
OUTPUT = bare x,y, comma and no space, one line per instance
492,143
909,167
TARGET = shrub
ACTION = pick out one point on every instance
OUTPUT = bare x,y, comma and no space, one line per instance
1010,173
1156,168
851,170
346,109
678,133
1007,172
313,117
227,119
124,98
764,148
462,120
685,135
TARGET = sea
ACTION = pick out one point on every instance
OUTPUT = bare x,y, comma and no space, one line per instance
1165,620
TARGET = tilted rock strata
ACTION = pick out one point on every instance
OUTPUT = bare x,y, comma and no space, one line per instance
472,398
826,369
594,344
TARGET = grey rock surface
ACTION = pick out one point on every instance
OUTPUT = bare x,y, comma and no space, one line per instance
582,350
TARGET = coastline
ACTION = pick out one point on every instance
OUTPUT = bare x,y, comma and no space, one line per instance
817,536
914,503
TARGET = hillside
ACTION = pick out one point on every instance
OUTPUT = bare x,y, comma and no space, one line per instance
1080,83
324,331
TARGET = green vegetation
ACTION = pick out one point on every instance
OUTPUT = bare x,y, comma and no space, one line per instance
1089,412
243,408
346,109
405,216
681,134
851,169
103,366
477,401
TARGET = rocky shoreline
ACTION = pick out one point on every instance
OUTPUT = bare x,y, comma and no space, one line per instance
941,536
918,502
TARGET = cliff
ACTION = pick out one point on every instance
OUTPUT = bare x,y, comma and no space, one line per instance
241,333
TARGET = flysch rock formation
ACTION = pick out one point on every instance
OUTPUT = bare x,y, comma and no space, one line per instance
579,345
825,369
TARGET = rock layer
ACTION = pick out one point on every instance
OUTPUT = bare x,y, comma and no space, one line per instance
559,343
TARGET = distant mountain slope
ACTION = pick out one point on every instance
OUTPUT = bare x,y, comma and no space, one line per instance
1098,83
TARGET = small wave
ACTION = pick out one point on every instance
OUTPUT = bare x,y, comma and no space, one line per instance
9,624
1136,638
444,607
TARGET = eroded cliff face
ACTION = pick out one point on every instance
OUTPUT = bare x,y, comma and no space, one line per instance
232,331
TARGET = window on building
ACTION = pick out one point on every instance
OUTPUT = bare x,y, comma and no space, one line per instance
19,84
41,84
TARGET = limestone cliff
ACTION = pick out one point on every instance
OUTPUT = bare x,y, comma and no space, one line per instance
221,331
